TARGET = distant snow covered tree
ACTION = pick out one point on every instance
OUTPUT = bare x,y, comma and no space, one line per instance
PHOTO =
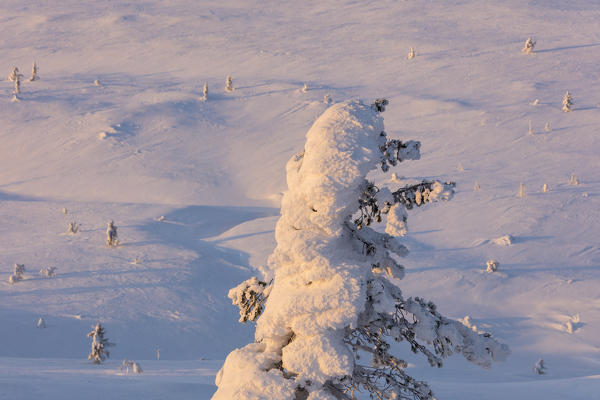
14,75
17,274
41,323
49,272
205,91
327,99
539,367
17,89
111,235
547,127
34,72
573,181
529,45
411,54
99,352
545,188
567,102
521,194
476,187
304,88
530,132
128,364
325,320
229,84
73,228
492,266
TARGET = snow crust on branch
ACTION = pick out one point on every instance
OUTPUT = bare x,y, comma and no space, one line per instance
333,298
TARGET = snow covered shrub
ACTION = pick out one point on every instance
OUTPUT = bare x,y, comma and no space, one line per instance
547,127
476,187
567,102
229,84
545,188
34,72
18,274
332,307
97,82
135,367
49,272
327,99
411,54
99,345
539,367
304,88
41,323
529,45
492,266
111,235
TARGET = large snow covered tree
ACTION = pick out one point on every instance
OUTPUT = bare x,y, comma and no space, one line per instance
329,306
99,351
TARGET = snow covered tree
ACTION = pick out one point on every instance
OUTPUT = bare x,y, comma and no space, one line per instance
229,84
99,344
17,89
34,72
539,367
521,194
567,102
325,320
18,274
73,228
529,45
492,266
41,323
49,272
205,91
411,53
111,235
14,75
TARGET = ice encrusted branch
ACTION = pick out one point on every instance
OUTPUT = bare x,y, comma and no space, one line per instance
250,296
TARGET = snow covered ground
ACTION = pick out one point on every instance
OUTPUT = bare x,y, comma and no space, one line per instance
142,145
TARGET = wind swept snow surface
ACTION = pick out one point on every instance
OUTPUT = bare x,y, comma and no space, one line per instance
142,144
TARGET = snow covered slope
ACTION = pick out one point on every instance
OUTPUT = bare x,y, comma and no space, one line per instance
142,144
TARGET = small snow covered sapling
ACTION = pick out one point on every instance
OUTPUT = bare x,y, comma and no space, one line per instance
205,91
476,187
99,352
17,274
111,235
567,102
135,367
49,272
411,53
521,194
327,99
17,89
304,88
14,75
547,127
530,132
73,228
41,323
573,181
332,306
545,188
539,368
34,72
229,84
529,45
97,82
492,266
460,168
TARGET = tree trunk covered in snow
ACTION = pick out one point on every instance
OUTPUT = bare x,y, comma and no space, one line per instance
333,306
